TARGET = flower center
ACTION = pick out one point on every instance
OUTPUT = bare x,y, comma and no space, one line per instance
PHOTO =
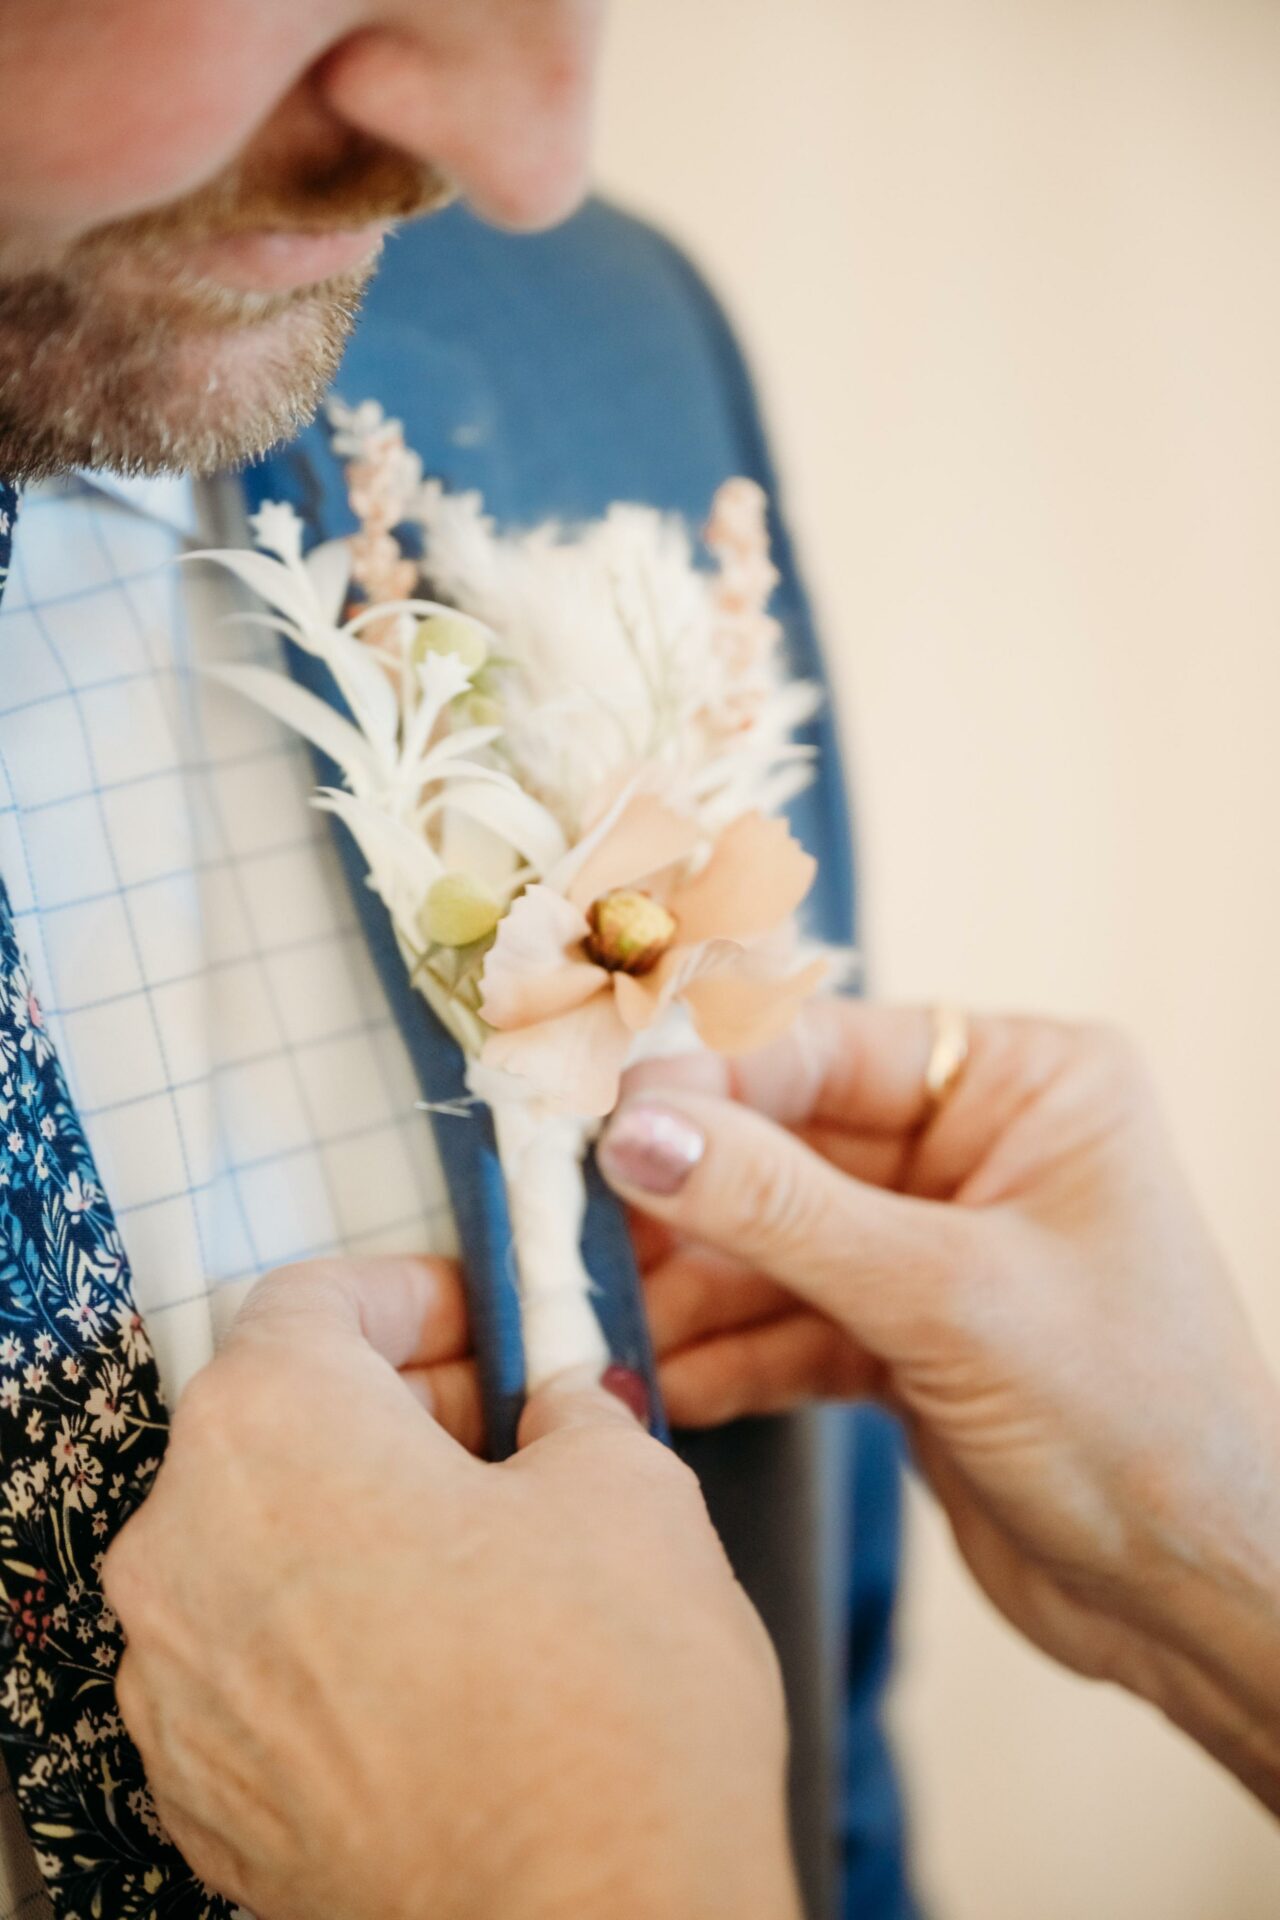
629,932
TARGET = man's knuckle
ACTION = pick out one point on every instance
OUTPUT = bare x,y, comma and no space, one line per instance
284,1286
133,1574
201,1408
677,1474
121,1568
677,1498
130,1693
630,1456
219,1406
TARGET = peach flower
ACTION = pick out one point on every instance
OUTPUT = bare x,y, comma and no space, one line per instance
620,930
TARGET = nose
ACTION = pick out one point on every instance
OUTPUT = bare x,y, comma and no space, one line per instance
497,94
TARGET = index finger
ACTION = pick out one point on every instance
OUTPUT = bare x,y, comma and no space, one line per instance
408,1308
844,1063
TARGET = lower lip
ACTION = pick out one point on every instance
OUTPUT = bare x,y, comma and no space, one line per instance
282,262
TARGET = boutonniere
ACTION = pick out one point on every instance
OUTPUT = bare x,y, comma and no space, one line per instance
564,757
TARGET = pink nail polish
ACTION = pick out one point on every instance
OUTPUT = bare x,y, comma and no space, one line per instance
651,1148
626,1385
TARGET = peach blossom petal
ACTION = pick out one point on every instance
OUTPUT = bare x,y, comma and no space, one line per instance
610,796
533,971
575,1061
644,840
756,877
643,999
738,1012
636,1000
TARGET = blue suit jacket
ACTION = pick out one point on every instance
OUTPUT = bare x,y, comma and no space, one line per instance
556,375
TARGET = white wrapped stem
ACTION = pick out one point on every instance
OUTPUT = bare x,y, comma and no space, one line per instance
542,1155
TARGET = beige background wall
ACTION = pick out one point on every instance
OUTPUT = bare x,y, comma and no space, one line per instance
1011,273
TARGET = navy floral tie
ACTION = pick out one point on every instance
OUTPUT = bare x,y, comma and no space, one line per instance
82,1431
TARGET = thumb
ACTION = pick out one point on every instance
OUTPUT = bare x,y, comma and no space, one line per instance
582,1397
725,1176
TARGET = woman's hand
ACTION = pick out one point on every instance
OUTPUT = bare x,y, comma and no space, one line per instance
370,1676
1023,1273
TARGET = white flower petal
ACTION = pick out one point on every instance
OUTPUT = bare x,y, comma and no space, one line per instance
441,678
266,622
402,866
459,745
515,817
277,529
366,687
421,610
574,1061
306,714
289,592
329,570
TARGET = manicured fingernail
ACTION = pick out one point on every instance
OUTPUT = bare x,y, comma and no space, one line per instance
652,1148
629,1387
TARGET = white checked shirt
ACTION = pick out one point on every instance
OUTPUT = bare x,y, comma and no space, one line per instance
243,1087
245,1092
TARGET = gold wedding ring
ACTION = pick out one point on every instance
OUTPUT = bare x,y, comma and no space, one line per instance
948,1057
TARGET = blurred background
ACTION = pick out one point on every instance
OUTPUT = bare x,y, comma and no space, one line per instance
1009,271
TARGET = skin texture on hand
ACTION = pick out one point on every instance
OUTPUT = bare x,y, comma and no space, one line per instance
1024,1276
373,1678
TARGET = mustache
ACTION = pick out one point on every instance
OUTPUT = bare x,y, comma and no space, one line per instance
125,286
363,184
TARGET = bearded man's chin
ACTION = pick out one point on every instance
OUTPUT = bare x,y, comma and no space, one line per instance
167,391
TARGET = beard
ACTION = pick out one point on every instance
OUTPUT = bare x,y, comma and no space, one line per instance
115,356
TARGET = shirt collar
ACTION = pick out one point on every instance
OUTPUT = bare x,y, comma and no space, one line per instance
169,498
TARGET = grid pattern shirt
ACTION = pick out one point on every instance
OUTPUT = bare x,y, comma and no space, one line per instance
245,1092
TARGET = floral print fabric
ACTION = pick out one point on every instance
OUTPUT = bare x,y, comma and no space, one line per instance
82,1430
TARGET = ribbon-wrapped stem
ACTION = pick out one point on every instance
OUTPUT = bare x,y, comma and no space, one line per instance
542,1154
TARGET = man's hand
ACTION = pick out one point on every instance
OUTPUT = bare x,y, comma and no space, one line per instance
374,1679
1024,1275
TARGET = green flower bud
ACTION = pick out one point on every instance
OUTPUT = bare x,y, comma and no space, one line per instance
479,710
458,911
629,932
447,633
